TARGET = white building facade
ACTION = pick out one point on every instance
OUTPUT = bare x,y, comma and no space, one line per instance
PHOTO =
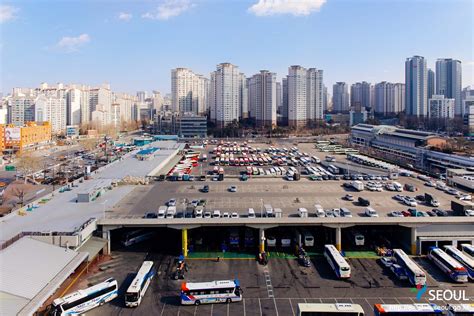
441,107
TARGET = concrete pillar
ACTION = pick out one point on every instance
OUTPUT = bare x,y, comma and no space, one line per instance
261,240
106,235
184,241
413,241
338,238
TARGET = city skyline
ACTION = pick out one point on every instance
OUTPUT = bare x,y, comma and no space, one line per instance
92,40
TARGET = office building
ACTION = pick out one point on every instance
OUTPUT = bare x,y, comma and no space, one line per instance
416,86
449,81
441,107
189,91
186,125
340,97
431,83
360,94
225,93
28,136
262,98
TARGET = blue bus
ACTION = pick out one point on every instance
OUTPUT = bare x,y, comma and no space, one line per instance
449,265
407,309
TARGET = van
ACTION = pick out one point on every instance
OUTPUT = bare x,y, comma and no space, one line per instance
319,210
198,211
302,212
162,211
251,213
268,210
171,212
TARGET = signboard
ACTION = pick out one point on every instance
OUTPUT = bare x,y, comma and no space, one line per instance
10,168
12,134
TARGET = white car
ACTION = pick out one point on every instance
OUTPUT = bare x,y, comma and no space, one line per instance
207,214
232,188
396,214
452,191
430,184
398,197
194,203
225,215
465,197
215,178
216,214
469,212
370,212
410,201
336,212
172,202
234,215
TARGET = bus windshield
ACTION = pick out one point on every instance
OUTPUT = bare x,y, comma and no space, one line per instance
131,297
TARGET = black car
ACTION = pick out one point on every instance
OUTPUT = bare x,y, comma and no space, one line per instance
304,260
363,202
440,212
205,189
347,177
420,197
150,215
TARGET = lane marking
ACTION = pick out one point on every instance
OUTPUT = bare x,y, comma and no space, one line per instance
163,309
260,306
291,305
245,313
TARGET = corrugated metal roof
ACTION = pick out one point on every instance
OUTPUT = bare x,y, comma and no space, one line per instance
92,247
29,265
11,304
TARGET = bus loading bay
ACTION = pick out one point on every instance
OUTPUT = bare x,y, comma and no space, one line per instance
275,289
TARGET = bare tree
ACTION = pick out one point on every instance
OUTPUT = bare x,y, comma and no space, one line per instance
27,164
19,192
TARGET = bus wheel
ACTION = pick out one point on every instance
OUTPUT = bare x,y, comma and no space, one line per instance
228,300
197,303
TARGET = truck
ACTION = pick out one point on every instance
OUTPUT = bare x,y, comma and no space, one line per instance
357,185
460,207
431,200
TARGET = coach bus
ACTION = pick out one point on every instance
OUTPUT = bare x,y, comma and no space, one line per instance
82,301
462,258
407,309
139,285
469,249
416,276
315,309
338,264
449,265
136,236
210,292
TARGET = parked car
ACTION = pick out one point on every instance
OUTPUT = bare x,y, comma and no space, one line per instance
431,213
396,214
348,197
150,215
363,202
171,202
469,212
216,214
370,212
398,197
207,214
409,201
329,213
387,261
205,189
234,215
410,187
440,212
406,213
232,188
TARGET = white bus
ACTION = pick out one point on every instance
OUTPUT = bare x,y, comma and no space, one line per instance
469,249
308,239
460,309
136,236
210,292
416,276
407,309
333,169
450,266
463,259
338,264
315,309
139,285
82,301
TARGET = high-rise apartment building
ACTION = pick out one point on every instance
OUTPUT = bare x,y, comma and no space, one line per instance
389,98
314,95
431,83
243,97
416,86
398,97
297,101
284,101
360,94
449,81
51,109
278,97
100,99
262,98
441,107
21,109
73,106
340,97
189,91
225,93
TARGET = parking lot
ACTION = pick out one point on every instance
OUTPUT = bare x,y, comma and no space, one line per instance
275,289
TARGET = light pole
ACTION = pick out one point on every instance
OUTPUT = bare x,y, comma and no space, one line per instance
261,208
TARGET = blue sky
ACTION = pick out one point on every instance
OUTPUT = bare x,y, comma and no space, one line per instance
133,45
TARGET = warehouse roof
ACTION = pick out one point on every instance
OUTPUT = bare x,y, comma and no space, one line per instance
31,271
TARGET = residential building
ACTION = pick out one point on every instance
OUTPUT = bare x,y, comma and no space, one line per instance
53,110
141,96
297,102
406,147
431,83
189,91
100,99
470,116
314,95
73,106
284,101
21,109
278,97
326,98
262,98
441,107
340,97
449,81
389,98
243,97
361,93
398,98
225,93
416,86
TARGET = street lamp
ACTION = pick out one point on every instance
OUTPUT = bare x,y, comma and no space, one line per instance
261,208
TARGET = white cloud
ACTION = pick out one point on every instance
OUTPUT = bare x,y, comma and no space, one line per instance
294,7
169,9
125,16
470,63
72,44
7,13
